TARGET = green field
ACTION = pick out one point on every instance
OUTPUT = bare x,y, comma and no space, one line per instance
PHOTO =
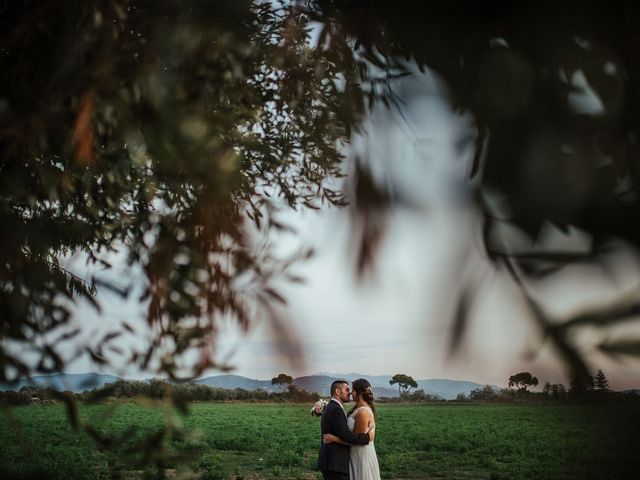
248,441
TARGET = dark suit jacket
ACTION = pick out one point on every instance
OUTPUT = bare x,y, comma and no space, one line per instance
334,457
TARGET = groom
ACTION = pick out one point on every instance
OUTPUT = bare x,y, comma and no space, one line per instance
333,460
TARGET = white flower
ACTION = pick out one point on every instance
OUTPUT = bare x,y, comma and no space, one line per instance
318,407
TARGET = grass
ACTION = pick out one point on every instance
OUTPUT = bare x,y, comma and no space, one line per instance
247,441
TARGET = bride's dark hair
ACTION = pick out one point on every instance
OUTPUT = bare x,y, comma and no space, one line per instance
363,388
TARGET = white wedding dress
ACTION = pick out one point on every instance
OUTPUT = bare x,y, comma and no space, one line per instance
363,461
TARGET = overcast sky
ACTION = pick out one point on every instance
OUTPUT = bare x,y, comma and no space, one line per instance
398,319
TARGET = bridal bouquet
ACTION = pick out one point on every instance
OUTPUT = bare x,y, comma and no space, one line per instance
318,408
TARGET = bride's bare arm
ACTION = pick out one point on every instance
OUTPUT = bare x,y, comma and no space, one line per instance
363,421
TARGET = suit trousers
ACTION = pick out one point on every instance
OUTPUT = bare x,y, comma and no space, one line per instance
334,475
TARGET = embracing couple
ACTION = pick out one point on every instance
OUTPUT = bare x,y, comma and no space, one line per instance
347,451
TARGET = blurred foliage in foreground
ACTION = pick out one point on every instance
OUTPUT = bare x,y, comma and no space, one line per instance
159,129
169,131
553,93
163,128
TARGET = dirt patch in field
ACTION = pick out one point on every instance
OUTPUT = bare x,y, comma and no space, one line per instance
140,474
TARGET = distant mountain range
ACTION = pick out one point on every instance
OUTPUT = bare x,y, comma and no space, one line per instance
75,382
447,389
320,383
237,381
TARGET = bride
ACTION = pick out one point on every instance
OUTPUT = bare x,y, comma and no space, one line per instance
363,461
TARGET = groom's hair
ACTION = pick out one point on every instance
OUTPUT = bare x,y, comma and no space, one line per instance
337,384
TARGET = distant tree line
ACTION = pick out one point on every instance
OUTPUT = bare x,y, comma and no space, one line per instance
31,396
591,388
194,392
417,396
158,389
